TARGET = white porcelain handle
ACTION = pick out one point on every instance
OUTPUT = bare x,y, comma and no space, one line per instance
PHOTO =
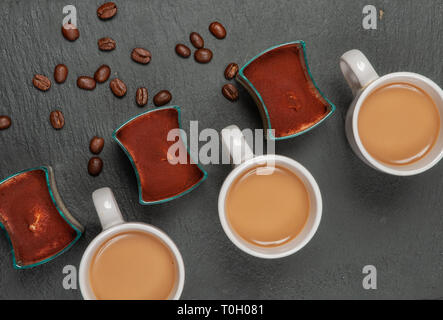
107,208
357,70
235,143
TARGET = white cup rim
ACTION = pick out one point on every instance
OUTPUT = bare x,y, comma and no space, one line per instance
359,102
239,170
85,287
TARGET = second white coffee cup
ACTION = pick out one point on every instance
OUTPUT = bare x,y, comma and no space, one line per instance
244,160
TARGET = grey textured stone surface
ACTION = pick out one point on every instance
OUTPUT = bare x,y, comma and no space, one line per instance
391,222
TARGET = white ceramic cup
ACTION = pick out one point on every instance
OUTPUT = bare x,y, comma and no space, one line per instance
113,224
244,160
363,80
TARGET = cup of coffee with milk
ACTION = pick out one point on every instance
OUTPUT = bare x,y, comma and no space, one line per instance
269,206
129,261
393,124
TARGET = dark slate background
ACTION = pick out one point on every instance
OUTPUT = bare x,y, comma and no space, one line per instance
391,222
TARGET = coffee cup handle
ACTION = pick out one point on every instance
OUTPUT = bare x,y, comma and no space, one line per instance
107,208
235,143
357,70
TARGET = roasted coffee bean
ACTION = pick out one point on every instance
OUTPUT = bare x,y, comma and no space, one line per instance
230,92
196,40
96,145
203,55
118,87
106,44
217,30
57,119
141,96
5,122
70,32
107,10
231,71
86,83
182,50
102,74
141,55
60,73
162,98
95,166
41,82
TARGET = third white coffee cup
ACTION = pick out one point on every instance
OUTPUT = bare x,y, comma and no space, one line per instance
113,224
363,80
244,160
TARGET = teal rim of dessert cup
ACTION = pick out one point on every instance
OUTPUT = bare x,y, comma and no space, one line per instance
76,229
140,194
262,103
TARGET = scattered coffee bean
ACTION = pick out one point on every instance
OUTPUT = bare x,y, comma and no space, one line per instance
86,83
196,40
60,73
141,96
5,122
106,44
118,87
231,71
203,55
95,166
182,50
70,32
107,10
141,55
161,98
230,92
41,82
96,145
57,119
102,74
217,30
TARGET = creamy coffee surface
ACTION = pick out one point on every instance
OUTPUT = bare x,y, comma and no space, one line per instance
398,124
268,210
133,266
